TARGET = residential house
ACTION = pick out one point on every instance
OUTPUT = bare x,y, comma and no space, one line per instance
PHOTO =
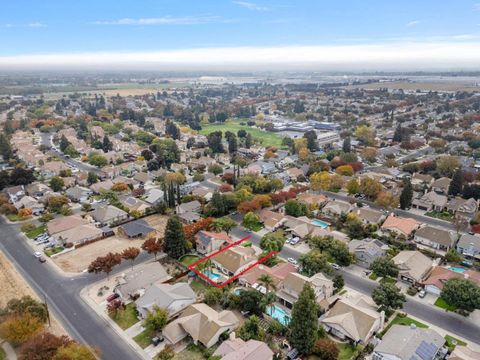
367,250
414,267
409,342
37,189
465,208
15,193
137,229
189,212
133,204
142,178
203,192
278,273
78,194
208,242
354,319
337,207
78,235
441,185
143,276
421,182
100,186
312,200
271,220
369,216
435,238
173,298
202,323
154,196
400,225
294,282
430,201
238,349
295,174
235,259
28,202
108,215
302,227
53,168
469,245
440,275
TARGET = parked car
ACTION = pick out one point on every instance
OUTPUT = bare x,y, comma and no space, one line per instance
157,340
294,241
422,294
336,267
42,259
37,254
112,297
292,261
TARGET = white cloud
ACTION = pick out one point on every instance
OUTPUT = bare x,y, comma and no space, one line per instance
165,20
250,6
413,23
405,55
36,24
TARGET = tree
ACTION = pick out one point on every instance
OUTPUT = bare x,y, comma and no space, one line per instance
464,294
251,221
63,143
156,319
365,134
223,224
56,183
130,253
43,346
326,349
384,267
263,199
294,208
338,282
272,241
251,329
5,148
215,169
26,305
74,351
353,187
314,262
25,212
215,142
387,200
212,295
406,195
388,297
251,301
370,188
92,178
20,328
248,206
447,164
456,185
369,154
152,246
344,170
304,323
105,263
97,160
106,144
347,145
175,243
320,181
167,353
311,137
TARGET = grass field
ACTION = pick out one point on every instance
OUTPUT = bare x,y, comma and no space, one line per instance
452,342
127,317
442,215
3,356
144,338
444,305
263,137
35,232
189,259
406,321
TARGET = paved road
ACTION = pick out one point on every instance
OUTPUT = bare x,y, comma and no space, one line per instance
63,296
451,322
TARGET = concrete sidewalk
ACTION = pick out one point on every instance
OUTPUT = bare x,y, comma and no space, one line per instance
9,352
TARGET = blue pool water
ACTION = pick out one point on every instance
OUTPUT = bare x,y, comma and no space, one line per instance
320,223
237,291
457,269
211,275
278,314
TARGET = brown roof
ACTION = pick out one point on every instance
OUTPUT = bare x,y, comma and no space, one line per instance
235,257
441,275
270,218
404,225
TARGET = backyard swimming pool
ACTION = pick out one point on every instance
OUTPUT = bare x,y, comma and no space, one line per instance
278,314
320,223
211,275
457,269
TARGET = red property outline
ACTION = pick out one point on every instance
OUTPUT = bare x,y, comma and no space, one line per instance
226,282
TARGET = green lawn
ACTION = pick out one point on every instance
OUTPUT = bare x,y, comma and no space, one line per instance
198,285
255,228
450,342
3,356
373,276
14,217
52,251
127,317
442,215
404,320
189,259
444,305
144,338
388,280
190,353
347,351
264,137
35,232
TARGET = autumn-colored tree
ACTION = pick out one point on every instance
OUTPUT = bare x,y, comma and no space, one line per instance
175,178
303,153
365,134
263,200
345,170
353,187
114,306
248,206
120,187
75,351
25,212
370,188
326,349
130,253
369,154
225,188
57,201
20,328
43,346
168,353
229,178
152,246
320,181
387,200
105,263
190,230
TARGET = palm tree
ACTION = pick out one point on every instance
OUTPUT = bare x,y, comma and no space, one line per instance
267,281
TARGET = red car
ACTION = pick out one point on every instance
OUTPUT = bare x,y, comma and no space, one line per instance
112,297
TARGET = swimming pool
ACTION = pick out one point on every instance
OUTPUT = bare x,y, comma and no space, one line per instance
278,314
211,275
320,223
238,291
457,269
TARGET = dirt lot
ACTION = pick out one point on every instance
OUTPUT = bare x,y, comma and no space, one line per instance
79,259
12,286
158,222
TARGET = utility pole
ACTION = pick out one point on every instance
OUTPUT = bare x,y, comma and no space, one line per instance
48,312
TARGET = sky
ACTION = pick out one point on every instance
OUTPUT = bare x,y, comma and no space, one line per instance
237,34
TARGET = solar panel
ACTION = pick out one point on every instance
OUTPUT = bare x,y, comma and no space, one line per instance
426,351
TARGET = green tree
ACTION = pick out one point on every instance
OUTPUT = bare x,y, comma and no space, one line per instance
294,208
353,187
106,144
338,282
272,241
92,178
347,145
174,239
251,220
384,267
64,143
314,262
251,329
215,169
447,164
464,294
74,351
456,185
5,148
156,319
251,301
223,224
304,323
212,295
388,297
56,183
406,195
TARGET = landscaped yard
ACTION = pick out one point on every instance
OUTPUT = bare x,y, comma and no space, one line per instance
189,259
347,351
442,215
388,280
264,137
373,276
3,356
404,320
452,342
190,353
52,251
127,317
35,232
144,338
14,217
444,305
198,285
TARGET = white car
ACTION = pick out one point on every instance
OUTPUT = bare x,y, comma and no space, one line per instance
292,261
336,267
37,254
